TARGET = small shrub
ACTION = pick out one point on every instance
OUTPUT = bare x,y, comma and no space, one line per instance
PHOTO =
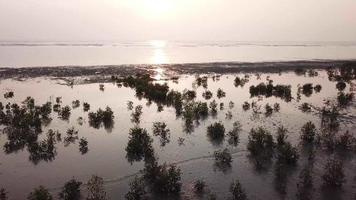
40,193
71,190
308,132
136,115
334,173
238,193
95,187
216,131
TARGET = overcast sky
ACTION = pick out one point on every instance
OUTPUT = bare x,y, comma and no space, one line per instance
242,20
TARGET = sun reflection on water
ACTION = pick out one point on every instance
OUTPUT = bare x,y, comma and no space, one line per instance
159,54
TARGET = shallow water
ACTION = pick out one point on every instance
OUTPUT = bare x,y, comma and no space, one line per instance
107,156
34,54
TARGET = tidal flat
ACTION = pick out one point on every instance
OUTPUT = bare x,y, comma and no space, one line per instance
160,134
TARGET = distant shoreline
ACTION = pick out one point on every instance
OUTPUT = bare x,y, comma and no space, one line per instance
170,69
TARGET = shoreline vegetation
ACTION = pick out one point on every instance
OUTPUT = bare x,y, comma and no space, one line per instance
172,69
23,123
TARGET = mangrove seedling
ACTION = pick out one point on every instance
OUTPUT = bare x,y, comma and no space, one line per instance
64,113
269,110
71,190
130,105
231,105
307,89
71,137
213,107
334,173
223,158
40,193
260,143
317,88
305,107
95,188
238,193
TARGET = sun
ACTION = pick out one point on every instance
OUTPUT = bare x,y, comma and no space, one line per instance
154,9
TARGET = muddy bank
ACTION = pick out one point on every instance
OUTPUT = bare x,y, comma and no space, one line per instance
170,70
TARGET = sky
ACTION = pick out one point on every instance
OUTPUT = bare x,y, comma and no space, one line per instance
183,20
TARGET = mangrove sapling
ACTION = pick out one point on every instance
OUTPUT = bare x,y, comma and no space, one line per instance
260,145
139,145
164,179
312,73
281,136
240,81
287,154
269,110
234,134
333,173
346,141
223,158
276,107
181,141
189,94
213,107
305,107
130,105
202,81
317,88
344,99
341,85
308,132
86,107
238,193
95,188
64,113
9,95
71,137
231,105
228,115
40,193
175,98
307,89
83,145
281,91
245,106
105,117
136,115
3,194
71,190
221,106
207,95
75,104
44,150
305,184
101,87
137,189
216,131
199,186
220,93
160,129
